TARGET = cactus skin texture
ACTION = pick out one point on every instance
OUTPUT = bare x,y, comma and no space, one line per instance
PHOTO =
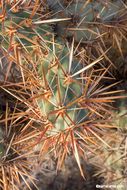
61,105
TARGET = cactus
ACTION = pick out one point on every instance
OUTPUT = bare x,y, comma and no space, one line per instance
61,103
96,25
65,100
113,160
14,163
113,167
90,20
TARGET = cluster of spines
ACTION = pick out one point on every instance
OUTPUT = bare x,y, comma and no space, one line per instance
61,106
